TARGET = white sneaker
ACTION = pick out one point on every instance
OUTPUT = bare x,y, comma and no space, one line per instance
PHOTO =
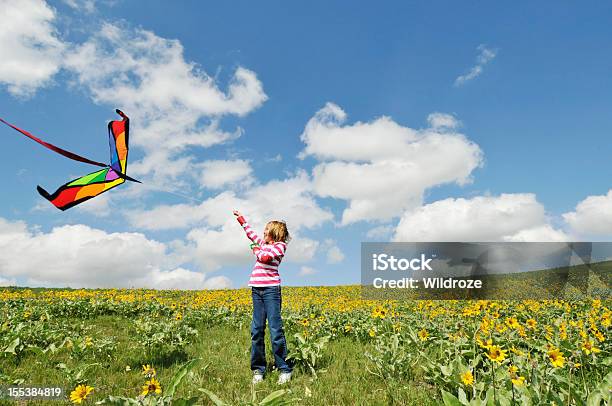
257,377
284,377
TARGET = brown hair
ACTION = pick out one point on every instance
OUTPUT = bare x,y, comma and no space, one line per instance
277,230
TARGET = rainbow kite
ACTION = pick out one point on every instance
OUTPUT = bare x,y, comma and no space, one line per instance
93,184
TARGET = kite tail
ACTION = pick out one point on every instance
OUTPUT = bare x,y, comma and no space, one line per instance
55,148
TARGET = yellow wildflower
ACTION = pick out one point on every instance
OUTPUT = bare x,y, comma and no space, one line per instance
80,393
516,351
589,347
518,381
556,357
512,322
148,371
496,354
152,386
531,324
379,312
467,378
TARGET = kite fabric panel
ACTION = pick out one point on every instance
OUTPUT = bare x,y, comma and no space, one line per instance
95,183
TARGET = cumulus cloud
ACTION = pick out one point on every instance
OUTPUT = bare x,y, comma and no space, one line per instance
307,271
382,168
216,239
88,6
174,104
592,217
485,55
219,173
214,248
291,199
441,121
508,217
334,253
380,233
81,256
30,46
8,282
182,279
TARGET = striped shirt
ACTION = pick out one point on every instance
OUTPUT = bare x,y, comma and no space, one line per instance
268,258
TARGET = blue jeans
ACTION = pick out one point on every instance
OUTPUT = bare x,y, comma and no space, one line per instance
267,305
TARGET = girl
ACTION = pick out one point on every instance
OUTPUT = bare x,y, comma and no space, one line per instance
266,294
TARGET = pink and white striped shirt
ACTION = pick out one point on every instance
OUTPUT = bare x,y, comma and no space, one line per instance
268,258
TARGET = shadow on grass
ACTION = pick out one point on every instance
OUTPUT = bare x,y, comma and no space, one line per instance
161,360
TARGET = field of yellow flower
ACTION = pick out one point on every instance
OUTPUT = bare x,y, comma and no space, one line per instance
191,347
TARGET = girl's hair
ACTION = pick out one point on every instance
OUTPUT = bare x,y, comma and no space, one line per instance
277,230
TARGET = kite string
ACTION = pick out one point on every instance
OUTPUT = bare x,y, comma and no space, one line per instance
160,189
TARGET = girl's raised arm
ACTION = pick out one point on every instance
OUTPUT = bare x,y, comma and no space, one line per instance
251,234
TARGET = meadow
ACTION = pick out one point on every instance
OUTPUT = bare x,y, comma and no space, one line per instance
130,347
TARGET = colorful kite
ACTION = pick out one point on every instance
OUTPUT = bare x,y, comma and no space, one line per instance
93,184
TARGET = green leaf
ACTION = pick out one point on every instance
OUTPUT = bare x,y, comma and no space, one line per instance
463,397
36,350
490,398
274,397
594,399
450,399
185,402
11,347
118,401
179,375
214,398
446,369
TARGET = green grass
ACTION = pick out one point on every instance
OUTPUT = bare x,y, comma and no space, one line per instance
224,370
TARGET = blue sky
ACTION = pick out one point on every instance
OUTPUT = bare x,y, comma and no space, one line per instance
432,121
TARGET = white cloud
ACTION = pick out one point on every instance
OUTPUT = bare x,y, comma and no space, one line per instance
290,199
307,271
592,216
99,207
219,173
382,168
29,44
7,282
542,233
276,158
380,233
149,73
218,240
334,254
88,6
441,121
182,279
173,103
81,256
214,248
485,55
508,217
